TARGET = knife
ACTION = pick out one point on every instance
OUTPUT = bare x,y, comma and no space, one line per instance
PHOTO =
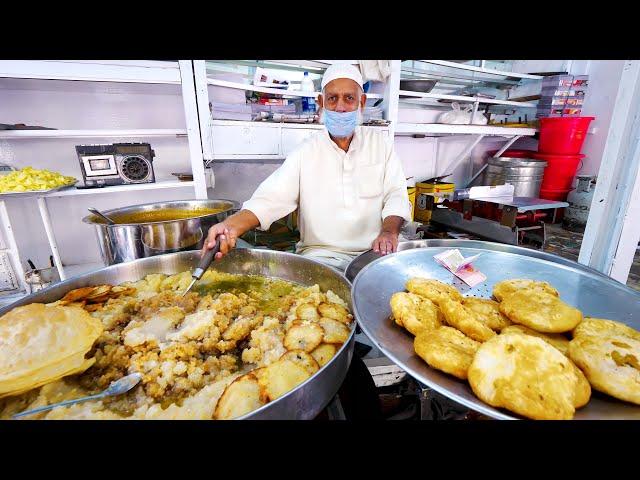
204,264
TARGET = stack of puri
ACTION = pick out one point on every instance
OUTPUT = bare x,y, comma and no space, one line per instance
527,351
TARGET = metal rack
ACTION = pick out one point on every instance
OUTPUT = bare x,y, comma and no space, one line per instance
145,72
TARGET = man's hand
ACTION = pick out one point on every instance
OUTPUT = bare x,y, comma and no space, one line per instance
229,231
227,240
386,242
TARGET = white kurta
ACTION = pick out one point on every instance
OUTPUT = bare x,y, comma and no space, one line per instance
342,197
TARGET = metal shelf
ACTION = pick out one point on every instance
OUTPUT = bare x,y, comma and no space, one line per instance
161,132
275,91
489,71
439,128
460,98
294,126
242,123
120,188
93,71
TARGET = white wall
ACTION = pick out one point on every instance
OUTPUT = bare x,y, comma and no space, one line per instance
85,105
604,78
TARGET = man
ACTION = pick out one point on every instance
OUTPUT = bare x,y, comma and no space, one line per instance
346,182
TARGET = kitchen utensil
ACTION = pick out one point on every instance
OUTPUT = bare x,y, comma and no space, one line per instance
117,387
525,174
424,86
305,401
183,176
592,293
39,278
101,215
203,266
125,242
437,179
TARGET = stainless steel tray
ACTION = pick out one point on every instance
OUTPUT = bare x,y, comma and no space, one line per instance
32,193
593,293
369,256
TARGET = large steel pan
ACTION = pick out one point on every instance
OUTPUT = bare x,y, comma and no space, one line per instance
596,295
369,256
305,401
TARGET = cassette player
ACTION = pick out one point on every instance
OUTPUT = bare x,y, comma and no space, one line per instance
116,164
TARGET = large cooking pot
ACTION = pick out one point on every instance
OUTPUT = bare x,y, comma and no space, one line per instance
131,238
305,401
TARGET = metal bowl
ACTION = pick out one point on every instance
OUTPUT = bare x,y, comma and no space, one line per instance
424,86
125,242
305,401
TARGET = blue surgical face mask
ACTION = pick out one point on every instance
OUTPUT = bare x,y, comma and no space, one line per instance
340,124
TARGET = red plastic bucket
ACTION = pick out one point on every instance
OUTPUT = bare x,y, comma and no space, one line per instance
563,135
514,153
560,171
557,195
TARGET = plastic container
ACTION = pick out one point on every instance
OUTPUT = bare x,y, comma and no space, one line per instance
563,92
514,153
560,171
558,81
563,136
422,213
581,81
308,103
546,102
411,191
549,112
557,195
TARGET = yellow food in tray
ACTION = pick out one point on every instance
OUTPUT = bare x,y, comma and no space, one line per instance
526,375
530,352
234,344
30,179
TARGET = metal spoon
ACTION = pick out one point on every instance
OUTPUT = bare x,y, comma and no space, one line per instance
117,387
101,215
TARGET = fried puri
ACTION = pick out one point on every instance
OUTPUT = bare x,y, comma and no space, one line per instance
540,311
415,313
505,288
526,375
599,326
611,363
488,312
434,290
446,349
464,319
554,339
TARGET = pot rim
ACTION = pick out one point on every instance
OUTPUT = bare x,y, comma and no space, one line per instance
234,206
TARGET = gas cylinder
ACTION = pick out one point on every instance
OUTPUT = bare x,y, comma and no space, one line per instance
575,217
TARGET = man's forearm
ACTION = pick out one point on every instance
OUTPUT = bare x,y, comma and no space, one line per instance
241,222
392,224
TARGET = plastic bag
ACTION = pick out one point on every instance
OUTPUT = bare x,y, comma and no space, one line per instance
458,116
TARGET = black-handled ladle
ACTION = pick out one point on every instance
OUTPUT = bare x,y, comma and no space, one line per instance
204,264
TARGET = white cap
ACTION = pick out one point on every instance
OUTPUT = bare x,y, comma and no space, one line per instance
342,70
